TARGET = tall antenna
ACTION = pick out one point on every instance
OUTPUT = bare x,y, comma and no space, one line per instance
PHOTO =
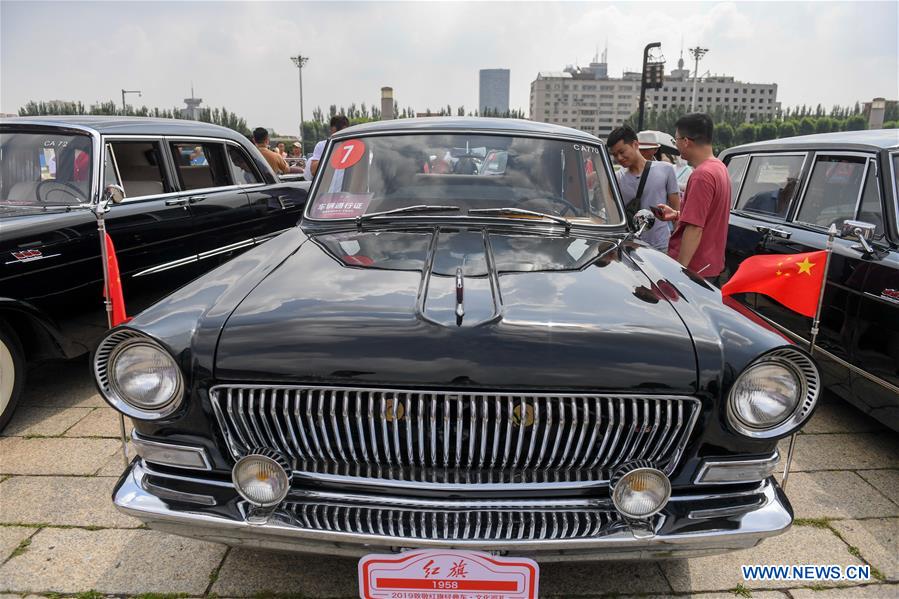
605,52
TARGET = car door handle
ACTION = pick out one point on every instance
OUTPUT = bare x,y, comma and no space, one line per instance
176,202
774,232
285,202
195,199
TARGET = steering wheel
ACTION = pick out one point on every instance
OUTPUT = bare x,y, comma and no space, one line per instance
48,186
566,206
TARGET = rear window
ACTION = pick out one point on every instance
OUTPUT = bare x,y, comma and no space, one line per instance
201,165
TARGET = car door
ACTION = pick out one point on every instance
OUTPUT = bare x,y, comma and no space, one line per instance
151,230
220,208
832,194
275,205
875,382
764,187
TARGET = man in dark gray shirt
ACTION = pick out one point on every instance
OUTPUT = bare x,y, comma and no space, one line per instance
660,187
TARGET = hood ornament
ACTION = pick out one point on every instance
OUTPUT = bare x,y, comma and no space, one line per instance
460,297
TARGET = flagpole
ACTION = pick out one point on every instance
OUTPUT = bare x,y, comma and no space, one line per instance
831,234
100,210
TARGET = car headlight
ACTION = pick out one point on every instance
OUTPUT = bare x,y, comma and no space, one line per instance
774,395
137,376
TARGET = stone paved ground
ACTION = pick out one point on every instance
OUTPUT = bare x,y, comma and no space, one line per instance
59,533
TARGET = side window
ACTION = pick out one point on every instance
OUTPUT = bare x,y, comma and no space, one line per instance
110,170
736,168
871,209
138,165
242,171
201,165
770,185
833,190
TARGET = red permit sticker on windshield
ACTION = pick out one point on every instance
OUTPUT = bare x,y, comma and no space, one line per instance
341,204
447,574
347,153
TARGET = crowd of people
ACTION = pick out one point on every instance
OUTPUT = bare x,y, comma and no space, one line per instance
683,184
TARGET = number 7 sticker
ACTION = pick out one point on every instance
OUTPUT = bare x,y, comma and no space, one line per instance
347,153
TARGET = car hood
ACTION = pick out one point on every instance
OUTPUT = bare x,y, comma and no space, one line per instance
537,311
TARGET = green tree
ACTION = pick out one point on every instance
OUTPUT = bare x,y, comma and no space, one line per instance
766,130
823,125
723,134
856,123
786,129
745,133
806,126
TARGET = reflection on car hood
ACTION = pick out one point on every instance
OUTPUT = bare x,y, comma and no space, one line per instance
537,312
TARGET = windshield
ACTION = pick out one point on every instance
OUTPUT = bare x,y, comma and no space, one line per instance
465,172
44,169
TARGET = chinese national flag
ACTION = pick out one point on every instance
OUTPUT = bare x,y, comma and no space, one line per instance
115,285
794,280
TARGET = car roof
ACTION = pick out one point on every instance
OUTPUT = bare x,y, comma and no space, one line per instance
125,125
482,124
876,139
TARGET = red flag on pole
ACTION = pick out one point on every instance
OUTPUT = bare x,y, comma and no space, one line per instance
794,280
115,285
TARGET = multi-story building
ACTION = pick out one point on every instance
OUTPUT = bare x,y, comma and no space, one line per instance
494,90
586,98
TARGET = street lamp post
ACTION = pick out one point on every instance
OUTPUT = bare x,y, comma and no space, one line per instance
653,77
128,91
697,53
300,61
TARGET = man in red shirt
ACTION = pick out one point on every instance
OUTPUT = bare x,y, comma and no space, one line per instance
700,236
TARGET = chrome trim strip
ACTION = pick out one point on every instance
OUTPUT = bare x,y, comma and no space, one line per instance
167,266
178,495
226,248
139,442
771,518
770,462
879,298
394,484
268,236
725,511
873,378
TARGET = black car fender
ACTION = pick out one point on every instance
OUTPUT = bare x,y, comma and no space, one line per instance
39,334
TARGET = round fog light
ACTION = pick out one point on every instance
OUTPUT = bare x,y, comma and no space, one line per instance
639,491
261,479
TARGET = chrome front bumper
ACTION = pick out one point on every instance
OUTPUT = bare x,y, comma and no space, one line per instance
689,526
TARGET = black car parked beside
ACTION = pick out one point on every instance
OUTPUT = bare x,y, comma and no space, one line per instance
786,195
195,195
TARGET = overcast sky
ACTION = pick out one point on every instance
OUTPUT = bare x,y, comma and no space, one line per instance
237,53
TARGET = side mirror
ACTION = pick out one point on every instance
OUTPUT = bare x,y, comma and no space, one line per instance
861,231
643,221
113,193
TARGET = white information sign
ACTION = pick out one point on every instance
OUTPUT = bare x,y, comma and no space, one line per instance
447,574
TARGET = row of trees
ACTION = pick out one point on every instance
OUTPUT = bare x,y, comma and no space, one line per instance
732,129
217,116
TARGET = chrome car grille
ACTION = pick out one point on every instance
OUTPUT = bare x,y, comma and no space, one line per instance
454,438
465,525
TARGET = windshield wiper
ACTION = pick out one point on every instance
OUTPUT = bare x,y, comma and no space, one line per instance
404,209
510,210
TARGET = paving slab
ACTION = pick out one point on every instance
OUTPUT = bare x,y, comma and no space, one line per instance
47,422
102,422
840,417
877,540
885,481
841,494
248,572
70,385
61,501
10,538
844,451
799,545
54,455
114,465
571,579
870,591
724,595
126,562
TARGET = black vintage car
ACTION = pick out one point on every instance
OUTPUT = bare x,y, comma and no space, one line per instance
195,195
786,195
436,359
